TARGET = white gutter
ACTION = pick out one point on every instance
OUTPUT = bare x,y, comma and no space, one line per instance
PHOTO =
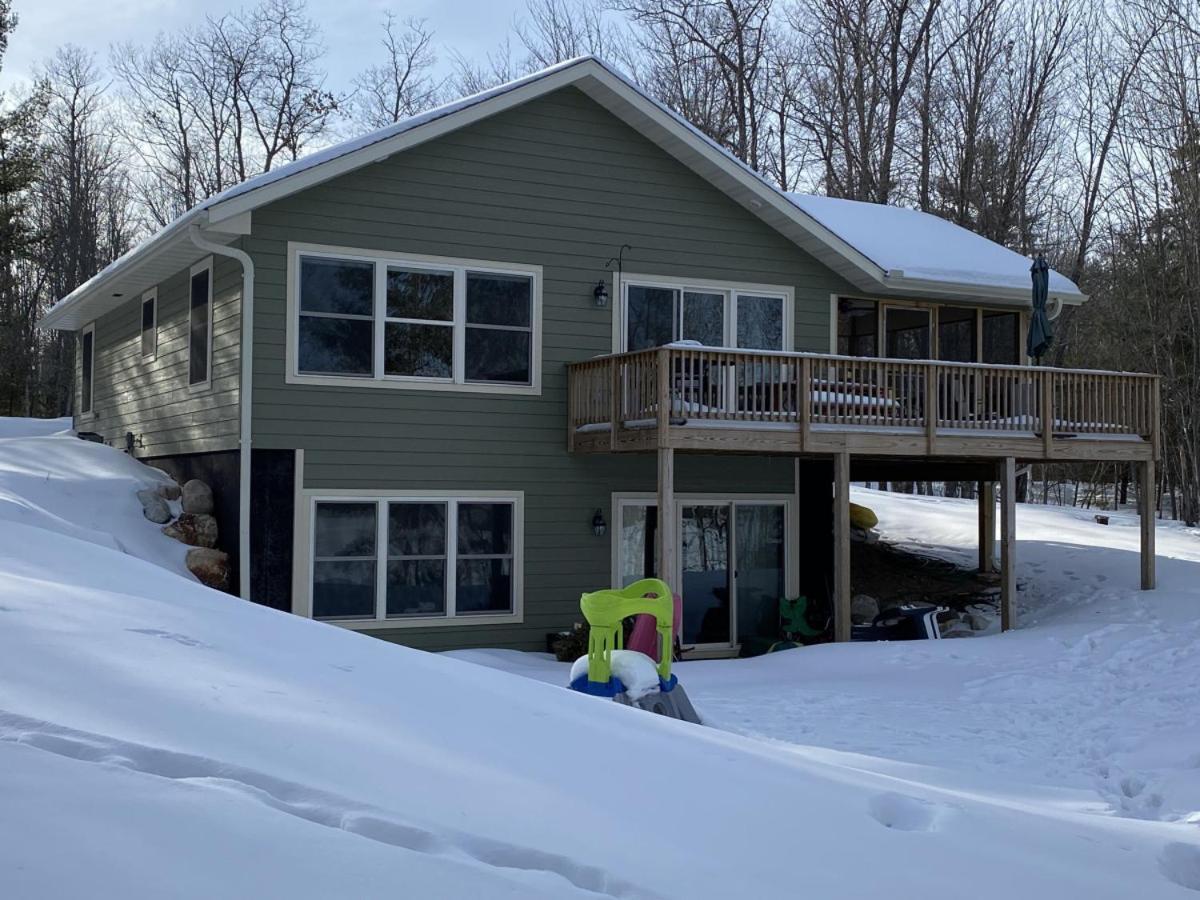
245,398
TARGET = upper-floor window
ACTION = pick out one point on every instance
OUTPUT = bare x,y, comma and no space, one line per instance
383,320
657,312
87,368
200,318
150,324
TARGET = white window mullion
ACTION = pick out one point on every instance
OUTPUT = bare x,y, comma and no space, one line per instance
451,558
460,328
731,318
380,308
381,557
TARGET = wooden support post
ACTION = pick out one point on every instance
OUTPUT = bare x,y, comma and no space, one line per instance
1047,414
931,409
987,526
804,401
667,538
1008,544
841,547
1147,502
615,401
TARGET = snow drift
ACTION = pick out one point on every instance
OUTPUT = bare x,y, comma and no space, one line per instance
160,739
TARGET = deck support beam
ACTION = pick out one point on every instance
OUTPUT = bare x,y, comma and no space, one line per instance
1147,503
987,526
1008,543
667,538
841,547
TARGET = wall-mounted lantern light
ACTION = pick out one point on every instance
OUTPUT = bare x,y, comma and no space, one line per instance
601,292
599,526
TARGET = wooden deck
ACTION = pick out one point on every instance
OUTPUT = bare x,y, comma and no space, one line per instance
716,400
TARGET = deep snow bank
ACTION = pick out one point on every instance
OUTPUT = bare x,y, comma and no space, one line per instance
161,739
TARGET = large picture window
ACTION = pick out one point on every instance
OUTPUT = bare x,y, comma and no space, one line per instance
431,323
200,326
415,558
714,315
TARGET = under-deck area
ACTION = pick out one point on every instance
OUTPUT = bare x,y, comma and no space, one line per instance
874,420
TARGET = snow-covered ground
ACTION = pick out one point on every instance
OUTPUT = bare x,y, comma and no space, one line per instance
160,739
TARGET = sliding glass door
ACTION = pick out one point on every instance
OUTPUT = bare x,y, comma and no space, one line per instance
733,562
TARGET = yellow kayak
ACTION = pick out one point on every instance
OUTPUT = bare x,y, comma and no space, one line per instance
862,517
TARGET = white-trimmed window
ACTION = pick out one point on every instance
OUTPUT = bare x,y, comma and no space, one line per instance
200,320
150,324
87,368
657,311
415,558
382,320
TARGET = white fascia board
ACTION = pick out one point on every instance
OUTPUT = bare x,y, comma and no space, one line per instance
173,234
928,287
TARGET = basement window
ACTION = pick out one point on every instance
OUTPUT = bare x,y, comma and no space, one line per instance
430,323
416,558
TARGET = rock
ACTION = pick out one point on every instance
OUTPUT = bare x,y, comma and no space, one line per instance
197,497
975,621
211,567
863,609
194,529
169,490
154,507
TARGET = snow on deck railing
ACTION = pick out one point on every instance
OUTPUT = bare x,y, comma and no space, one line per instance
684,384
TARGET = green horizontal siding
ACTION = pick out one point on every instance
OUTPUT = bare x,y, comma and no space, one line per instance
563,557
560,183
151,398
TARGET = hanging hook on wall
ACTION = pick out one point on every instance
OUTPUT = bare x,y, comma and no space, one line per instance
601,291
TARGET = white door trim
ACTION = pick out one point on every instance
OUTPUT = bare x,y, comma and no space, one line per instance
791,512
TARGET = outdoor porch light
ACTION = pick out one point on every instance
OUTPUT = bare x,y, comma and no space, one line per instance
600,294
599,525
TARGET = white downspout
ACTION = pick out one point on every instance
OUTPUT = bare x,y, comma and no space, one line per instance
245,391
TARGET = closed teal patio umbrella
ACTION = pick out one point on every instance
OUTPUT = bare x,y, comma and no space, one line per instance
1041,334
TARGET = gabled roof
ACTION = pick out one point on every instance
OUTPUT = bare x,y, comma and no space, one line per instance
225,216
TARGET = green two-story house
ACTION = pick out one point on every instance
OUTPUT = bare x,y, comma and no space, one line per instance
449,375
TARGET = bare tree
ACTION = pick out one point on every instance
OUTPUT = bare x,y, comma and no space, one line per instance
211,106
712,55
859,60
404,83
553,31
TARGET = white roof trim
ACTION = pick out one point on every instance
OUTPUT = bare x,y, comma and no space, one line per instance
226,212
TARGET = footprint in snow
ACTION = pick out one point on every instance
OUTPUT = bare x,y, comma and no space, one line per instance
169,636
901,813
1180,863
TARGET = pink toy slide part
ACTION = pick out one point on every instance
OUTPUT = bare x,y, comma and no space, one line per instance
644,637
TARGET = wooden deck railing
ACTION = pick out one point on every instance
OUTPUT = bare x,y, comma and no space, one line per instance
686,385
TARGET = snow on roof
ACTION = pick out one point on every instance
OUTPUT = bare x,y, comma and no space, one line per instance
922,245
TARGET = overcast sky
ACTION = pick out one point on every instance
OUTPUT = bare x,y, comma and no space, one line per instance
351,27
